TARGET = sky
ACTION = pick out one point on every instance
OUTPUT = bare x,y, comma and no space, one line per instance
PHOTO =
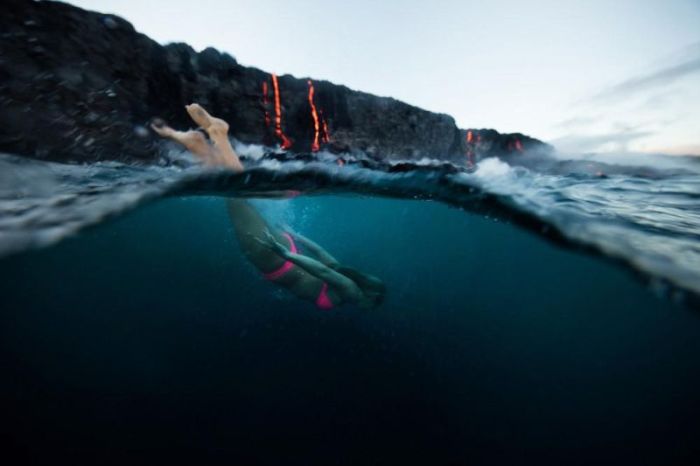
587,76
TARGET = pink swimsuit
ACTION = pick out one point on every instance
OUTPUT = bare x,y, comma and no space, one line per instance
323,301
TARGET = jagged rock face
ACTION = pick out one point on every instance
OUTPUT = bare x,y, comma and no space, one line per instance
82,86
74,85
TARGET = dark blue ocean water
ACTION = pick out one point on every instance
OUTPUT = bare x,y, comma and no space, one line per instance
149,339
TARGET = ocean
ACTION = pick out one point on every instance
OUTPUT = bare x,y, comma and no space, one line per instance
529,317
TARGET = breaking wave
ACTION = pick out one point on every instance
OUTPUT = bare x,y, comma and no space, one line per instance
649,222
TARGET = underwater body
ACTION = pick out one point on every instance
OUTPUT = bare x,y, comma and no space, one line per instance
529,316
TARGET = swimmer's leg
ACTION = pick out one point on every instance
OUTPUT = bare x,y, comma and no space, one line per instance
246,219
249,227
194,141
218,133
208,123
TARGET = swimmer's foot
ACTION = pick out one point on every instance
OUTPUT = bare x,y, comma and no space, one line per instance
209,123
193,140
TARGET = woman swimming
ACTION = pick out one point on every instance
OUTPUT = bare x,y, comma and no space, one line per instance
284,257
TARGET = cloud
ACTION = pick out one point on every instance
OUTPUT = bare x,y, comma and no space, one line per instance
662,77
656,109
577,121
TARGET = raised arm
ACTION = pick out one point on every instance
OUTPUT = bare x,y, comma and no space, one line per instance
344,286
316,250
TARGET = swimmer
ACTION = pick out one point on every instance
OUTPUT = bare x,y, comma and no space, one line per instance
284,257
215,152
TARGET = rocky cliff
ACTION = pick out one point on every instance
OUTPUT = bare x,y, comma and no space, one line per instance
81,86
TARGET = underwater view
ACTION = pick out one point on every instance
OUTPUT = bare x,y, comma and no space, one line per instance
151,332
205,263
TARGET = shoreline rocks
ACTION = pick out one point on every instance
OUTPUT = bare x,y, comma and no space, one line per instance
80,86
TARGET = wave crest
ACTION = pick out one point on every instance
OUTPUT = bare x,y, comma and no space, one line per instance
651,224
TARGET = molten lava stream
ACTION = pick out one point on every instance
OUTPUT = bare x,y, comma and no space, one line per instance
326,136
314,145
265,101
470,149
286,143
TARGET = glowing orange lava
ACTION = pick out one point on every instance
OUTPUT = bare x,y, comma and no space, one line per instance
518,145
264,92
314,145
265,101
470,148
326,136
285,142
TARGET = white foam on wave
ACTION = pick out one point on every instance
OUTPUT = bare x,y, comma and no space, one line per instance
422,162
42,202
250,151
492,167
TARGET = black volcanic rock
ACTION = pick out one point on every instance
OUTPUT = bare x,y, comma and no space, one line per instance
81,86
